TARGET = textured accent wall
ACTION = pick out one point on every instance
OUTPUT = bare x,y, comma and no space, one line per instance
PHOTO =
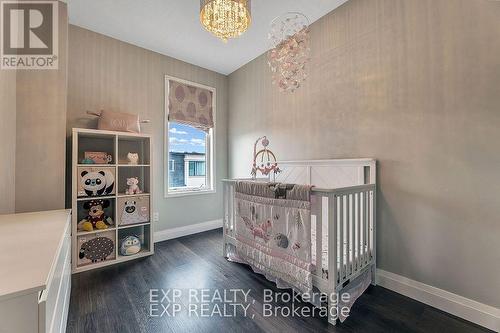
7,141
415,84
32,129
105,73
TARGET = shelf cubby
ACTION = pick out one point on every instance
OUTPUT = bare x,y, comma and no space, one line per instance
95,248
132,210
105,175
94,142
109,211
142,232
141,172
139,145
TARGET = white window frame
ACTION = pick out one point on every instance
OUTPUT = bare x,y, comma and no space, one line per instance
210,147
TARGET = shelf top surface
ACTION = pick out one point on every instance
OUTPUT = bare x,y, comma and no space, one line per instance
80,165
103,133
29,250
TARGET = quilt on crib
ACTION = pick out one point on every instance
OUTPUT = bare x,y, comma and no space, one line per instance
273,232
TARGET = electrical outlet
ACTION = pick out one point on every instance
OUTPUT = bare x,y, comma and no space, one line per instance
156,217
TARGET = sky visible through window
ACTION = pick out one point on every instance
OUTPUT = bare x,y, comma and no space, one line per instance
183,138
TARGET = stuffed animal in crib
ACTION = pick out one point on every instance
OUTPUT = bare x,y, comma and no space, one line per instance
133,158
130,245
96,218
133,188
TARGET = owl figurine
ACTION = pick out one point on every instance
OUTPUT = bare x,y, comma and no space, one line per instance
130,245
133,158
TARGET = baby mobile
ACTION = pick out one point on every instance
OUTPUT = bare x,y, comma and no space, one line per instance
264,160
290,51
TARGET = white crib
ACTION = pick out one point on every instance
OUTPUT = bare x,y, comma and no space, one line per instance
343,205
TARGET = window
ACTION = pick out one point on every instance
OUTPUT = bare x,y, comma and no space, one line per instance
196,168
187,151
189,145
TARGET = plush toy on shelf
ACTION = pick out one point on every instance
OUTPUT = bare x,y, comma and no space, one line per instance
130,245
133,188
96,218
133,158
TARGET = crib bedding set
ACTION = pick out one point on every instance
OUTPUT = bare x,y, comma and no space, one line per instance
273,232
275,235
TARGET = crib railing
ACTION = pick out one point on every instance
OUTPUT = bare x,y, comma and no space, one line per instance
350,216
351,221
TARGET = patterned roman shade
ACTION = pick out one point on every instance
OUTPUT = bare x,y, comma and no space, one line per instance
190,105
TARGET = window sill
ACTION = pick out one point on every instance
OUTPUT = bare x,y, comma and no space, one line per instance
177,194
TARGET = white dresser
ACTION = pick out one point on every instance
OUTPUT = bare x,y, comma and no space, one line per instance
35,271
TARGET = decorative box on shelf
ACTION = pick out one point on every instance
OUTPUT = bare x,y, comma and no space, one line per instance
111,187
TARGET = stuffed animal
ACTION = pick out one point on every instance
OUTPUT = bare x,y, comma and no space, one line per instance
133,158
130,245
97,183
96,218
97,249
133,188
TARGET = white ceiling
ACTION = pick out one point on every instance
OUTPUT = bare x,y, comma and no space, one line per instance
172,27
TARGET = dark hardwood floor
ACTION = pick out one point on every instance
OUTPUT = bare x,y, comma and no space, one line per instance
117,298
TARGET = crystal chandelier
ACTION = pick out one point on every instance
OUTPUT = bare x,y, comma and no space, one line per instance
225,18
290,51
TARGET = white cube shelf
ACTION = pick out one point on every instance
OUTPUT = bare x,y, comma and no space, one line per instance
117,145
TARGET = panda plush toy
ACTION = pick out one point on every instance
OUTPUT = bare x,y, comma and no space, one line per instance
97,183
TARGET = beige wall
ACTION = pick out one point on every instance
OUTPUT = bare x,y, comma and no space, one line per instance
40,131
415,84
105,73
7,141
32,129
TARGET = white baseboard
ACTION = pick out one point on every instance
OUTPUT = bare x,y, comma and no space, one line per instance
459,306
191,229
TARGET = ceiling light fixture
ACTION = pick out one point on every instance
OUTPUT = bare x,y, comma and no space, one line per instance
225,18
290,50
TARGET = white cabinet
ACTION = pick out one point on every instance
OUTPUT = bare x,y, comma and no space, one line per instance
35,280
